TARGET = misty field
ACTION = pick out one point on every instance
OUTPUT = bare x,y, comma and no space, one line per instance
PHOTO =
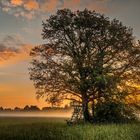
56,129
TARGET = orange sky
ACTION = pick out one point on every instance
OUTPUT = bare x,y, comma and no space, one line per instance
15,87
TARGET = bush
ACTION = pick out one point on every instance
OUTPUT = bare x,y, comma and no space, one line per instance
114,112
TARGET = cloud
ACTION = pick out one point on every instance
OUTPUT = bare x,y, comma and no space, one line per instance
31,5
13,50
27,4
20,8
11,57
9,46
31,9
49,6
16,2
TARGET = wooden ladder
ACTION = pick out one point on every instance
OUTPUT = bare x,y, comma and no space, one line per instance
77,115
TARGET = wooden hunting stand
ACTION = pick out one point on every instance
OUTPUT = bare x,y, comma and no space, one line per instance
77,114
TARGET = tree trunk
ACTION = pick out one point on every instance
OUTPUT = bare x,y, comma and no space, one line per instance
93,109
85,109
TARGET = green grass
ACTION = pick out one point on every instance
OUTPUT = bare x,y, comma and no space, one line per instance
56,129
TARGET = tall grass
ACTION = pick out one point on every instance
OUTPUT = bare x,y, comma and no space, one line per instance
57,129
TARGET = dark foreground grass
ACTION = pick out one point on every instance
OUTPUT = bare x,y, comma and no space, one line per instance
56,129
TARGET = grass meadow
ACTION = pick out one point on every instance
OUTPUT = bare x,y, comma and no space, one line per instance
29,128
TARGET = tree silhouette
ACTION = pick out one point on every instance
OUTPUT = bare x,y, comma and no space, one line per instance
86,57
1,108
17,109
34,108
26,108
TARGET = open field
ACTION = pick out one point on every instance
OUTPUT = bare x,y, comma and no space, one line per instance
28,128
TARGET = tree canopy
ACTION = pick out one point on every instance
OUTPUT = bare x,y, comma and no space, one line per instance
86,57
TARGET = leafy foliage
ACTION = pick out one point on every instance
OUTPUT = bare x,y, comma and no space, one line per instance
113,112
87,56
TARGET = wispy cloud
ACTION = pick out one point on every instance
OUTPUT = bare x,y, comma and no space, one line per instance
20,8
12,50
49,6
33,8
16,2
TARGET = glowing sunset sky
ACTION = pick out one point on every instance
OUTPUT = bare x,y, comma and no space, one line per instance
20,29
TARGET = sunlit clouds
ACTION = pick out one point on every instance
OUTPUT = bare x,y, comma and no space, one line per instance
9,58
16,2
49,5
31,9
20,8
13,50
31,5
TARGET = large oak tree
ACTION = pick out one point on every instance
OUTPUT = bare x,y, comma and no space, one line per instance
86,57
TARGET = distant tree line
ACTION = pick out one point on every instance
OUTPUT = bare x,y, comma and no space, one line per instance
34,108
